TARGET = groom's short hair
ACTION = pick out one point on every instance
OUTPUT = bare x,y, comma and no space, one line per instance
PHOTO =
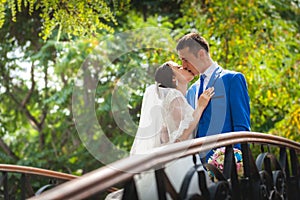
194,41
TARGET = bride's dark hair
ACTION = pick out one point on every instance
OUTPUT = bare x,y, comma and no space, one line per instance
164,76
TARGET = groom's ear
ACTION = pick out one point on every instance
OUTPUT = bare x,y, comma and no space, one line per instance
201,53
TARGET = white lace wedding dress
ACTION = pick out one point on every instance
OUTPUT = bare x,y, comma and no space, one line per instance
165,114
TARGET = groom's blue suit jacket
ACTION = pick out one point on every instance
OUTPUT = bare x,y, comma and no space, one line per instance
229,108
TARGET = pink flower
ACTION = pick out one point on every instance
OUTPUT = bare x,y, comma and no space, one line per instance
217,159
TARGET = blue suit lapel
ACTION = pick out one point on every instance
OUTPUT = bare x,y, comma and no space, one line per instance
214,115
214,77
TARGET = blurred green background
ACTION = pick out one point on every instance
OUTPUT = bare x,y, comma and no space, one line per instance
44,44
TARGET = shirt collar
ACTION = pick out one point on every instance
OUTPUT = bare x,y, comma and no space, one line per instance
209,71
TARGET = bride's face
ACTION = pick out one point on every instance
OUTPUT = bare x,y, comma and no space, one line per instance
182,74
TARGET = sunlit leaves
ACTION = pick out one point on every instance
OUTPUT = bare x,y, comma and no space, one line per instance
2,14
289,127
259,38
255,38
75,18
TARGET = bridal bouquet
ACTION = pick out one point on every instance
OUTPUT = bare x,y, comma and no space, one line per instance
217,159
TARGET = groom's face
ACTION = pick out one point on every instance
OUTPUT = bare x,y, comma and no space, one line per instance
189,60
181,74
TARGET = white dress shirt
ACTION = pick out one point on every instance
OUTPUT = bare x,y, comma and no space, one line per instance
208,73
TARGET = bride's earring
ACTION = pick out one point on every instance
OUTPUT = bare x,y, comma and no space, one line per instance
174,79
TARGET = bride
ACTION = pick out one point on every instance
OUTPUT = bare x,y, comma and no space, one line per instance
166,117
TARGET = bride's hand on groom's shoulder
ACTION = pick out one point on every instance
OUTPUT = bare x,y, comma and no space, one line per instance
205,97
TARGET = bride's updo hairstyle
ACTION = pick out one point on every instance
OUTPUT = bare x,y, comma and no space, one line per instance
164,76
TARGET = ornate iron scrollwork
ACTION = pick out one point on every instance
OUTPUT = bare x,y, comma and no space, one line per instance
265,178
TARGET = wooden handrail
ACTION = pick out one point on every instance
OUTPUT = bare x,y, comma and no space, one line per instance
36,171
122,170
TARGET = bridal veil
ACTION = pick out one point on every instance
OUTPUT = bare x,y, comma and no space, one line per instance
165,114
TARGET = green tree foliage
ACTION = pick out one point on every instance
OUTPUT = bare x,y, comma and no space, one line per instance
255,38
44,45
36,124
74,18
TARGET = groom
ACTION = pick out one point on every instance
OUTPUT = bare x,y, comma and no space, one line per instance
229,109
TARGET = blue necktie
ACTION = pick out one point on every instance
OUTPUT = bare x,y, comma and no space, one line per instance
202,77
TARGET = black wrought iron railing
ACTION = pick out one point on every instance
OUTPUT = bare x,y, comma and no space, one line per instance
26,190
271,173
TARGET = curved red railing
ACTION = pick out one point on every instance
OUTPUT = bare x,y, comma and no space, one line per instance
119,171
36,171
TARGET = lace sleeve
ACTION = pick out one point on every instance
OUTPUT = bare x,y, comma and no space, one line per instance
178,114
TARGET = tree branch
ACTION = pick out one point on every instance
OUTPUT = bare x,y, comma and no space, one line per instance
26,99
33,121
45,108
7,150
